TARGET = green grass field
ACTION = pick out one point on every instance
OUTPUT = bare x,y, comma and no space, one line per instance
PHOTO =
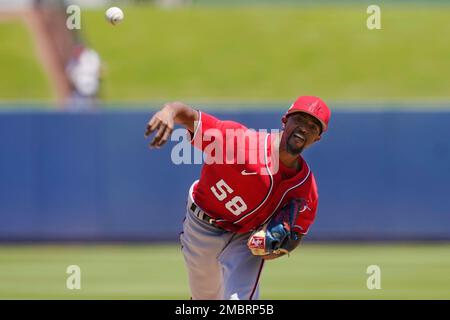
315,271
273,53
252,53
22,76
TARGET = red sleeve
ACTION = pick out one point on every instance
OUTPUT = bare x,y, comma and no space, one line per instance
209,129
307,211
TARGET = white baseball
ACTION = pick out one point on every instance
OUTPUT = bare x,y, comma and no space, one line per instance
114,15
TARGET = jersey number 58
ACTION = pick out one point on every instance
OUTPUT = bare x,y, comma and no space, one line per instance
223,191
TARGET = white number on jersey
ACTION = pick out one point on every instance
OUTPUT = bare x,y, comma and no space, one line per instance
236,205
223,193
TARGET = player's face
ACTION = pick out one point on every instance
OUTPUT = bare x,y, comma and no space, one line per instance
301,130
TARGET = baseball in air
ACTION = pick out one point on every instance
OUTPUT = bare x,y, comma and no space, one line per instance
114,15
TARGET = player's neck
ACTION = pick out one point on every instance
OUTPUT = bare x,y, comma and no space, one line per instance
287,159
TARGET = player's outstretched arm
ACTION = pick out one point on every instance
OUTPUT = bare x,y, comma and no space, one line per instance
164,120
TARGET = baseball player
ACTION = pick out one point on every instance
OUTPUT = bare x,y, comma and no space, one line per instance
234,198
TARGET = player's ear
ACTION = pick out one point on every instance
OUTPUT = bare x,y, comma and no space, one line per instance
317,138
283,121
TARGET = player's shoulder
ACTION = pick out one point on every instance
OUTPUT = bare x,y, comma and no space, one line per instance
307,175
313,191
308,170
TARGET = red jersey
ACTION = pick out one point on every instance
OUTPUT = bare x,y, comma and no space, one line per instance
240,185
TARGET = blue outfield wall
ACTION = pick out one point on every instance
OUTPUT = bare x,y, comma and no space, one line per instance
382,175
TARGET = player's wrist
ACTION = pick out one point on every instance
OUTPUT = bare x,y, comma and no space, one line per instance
170,109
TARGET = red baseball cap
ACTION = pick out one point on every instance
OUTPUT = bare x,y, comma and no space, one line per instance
313,106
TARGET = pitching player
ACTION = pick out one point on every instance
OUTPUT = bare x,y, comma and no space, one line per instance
233,198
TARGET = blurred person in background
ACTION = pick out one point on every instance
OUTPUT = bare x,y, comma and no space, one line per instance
74,68
83,70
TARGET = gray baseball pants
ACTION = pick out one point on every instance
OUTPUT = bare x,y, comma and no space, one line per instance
219,264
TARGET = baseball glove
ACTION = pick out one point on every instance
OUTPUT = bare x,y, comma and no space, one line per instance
274,235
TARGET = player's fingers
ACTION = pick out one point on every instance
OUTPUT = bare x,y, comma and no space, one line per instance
158,137
148,127
163,127
152,125
165,137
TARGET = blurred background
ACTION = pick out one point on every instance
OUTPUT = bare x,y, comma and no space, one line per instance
79,186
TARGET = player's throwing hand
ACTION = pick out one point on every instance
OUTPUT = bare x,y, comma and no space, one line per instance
163,121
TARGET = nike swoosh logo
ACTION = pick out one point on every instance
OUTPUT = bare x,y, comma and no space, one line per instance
245,173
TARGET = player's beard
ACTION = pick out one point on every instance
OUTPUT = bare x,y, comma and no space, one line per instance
291,146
